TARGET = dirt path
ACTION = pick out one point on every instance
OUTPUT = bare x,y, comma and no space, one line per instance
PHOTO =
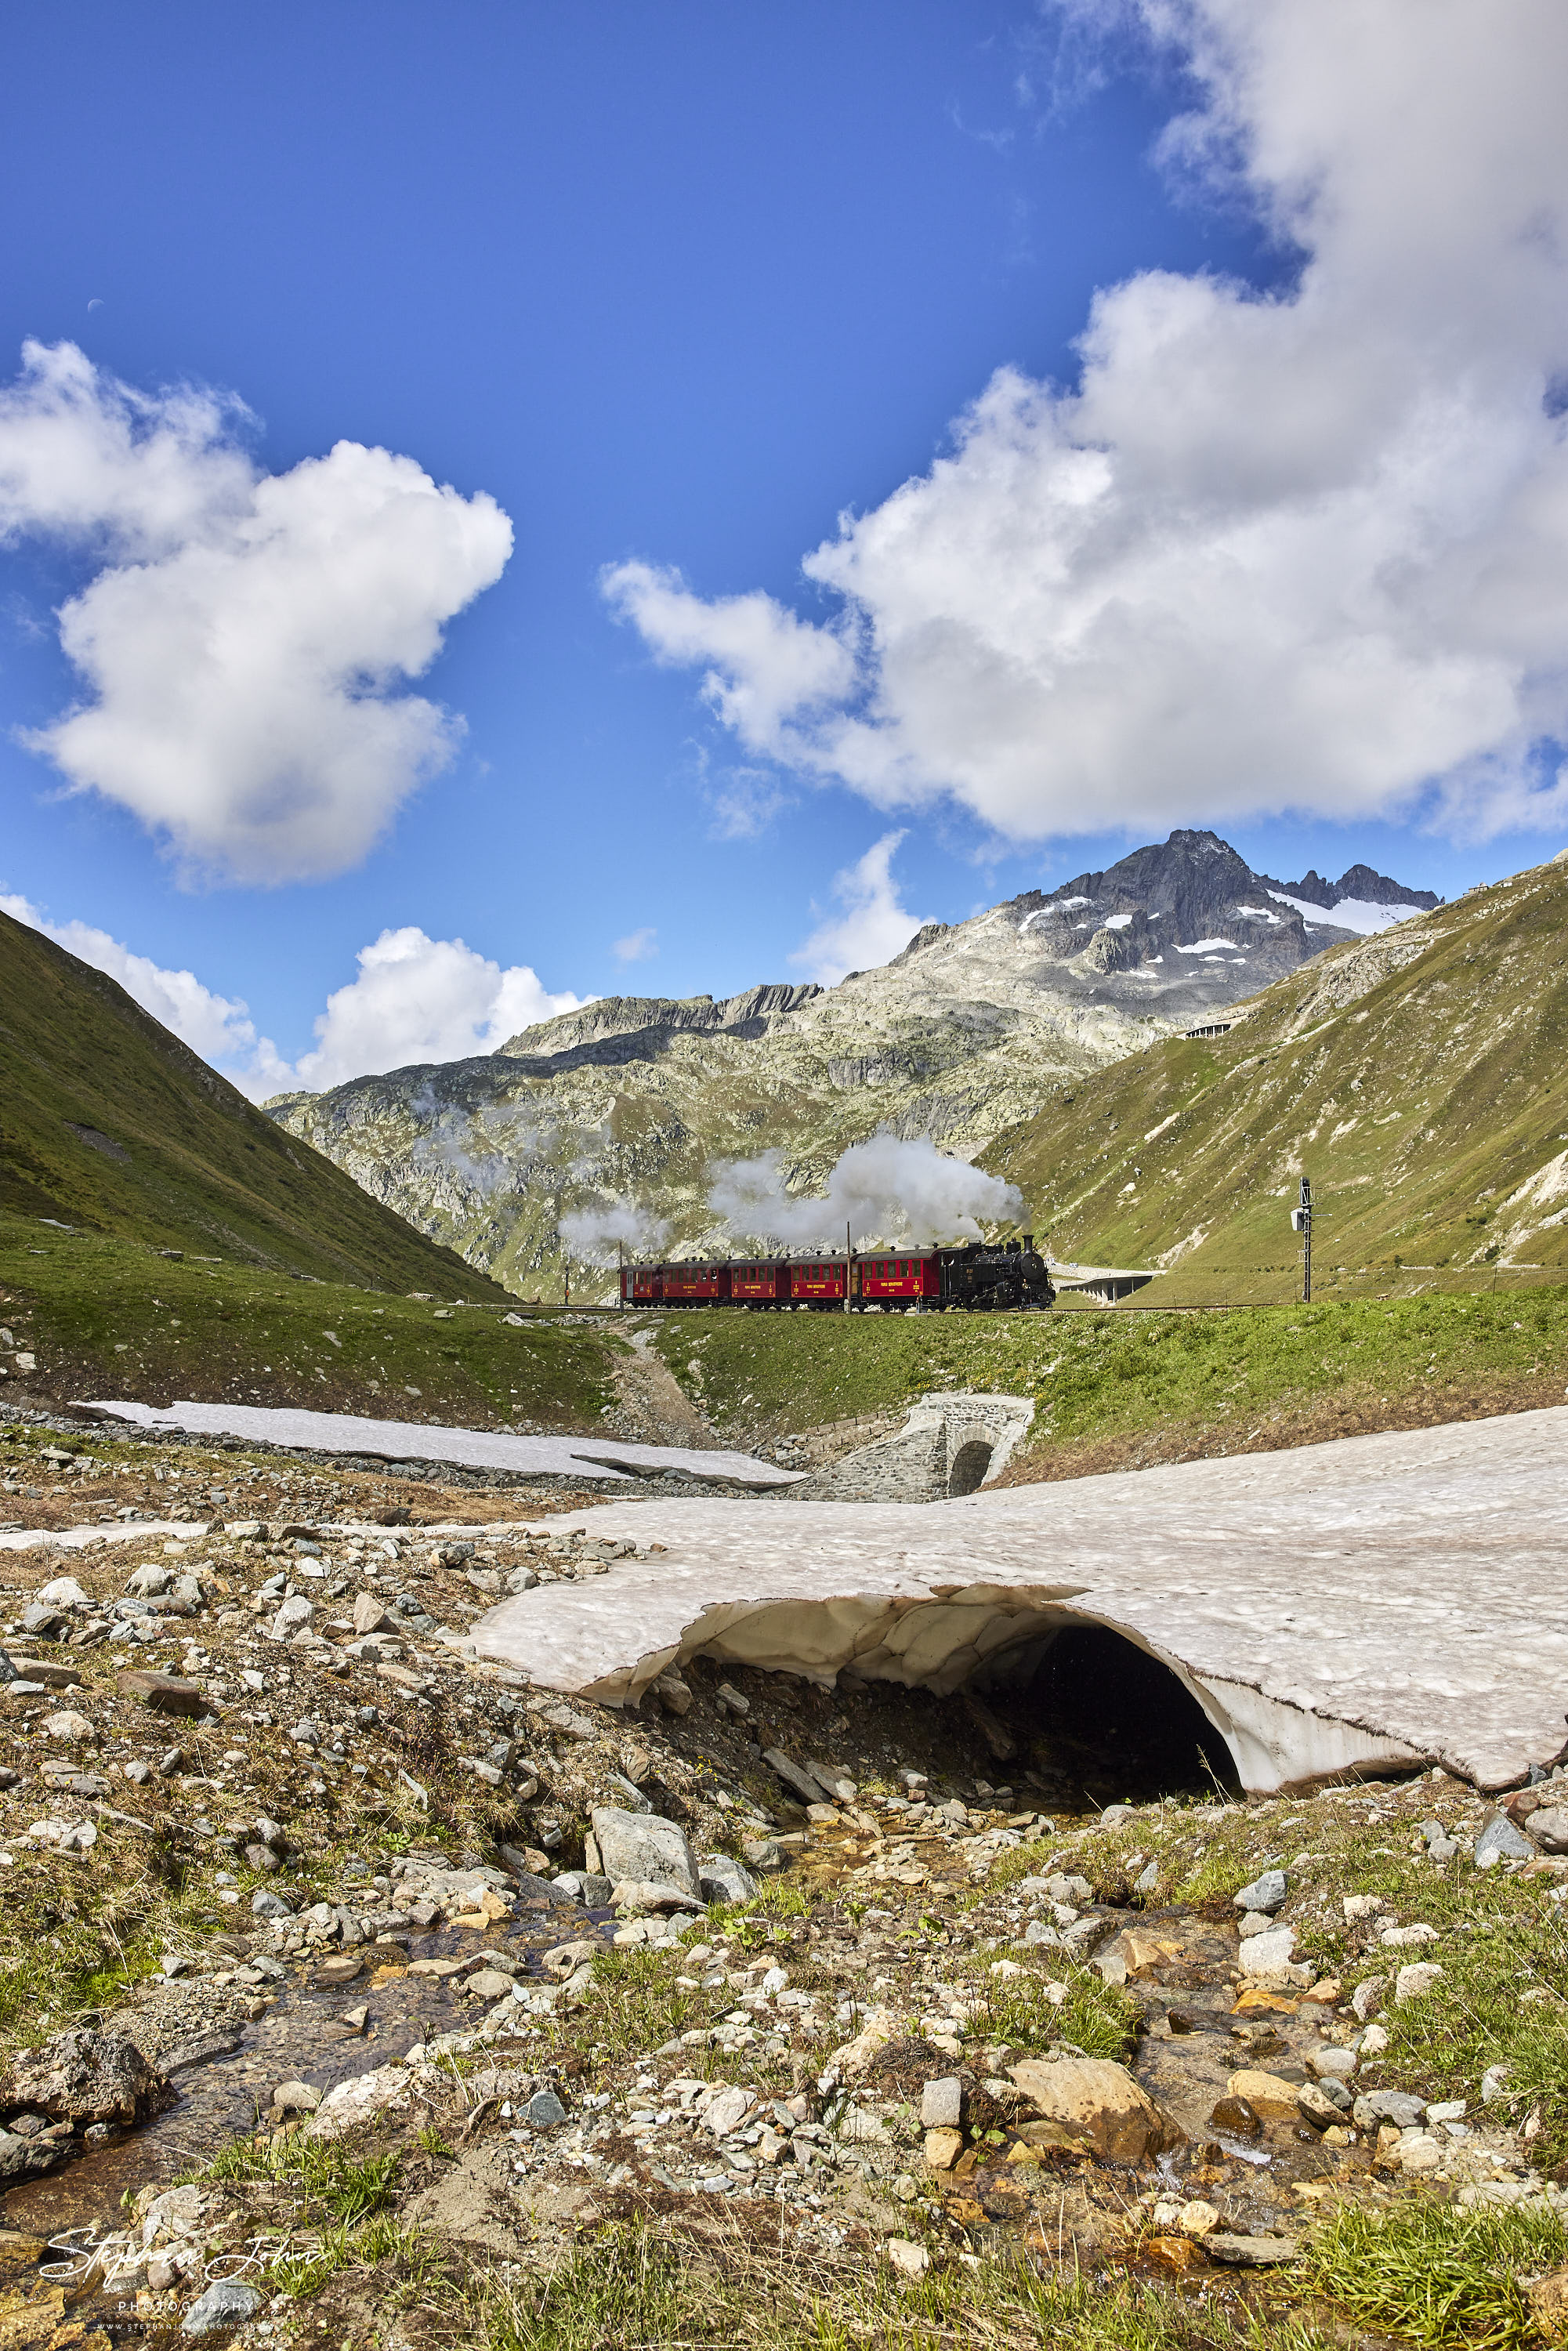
654,1407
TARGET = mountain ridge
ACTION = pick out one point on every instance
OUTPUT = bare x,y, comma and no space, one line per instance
617,1113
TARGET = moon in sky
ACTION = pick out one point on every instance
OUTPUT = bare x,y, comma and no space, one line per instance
97,302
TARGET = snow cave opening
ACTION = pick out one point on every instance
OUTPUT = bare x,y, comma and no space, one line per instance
1131,1727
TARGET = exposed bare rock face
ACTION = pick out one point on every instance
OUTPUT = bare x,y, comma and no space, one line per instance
633,1098
84,2076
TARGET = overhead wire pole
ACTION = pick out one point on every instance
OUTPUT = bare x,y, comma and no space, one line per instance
1302,1219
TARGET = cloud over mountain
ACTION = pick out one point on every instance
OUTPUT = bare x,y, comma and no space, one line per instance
246,639
1305,549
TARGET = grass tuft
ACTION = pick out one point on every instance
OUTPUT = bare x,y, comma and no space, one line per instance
1435,2275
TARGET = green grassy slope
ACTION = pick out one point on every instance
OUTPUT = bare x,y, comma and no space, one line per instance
1421,1080
1116,1388
104,1315
171,1153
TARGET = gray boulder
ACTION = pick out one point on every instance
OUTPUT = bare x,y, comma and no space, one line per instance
85,2076
640,1846
1267,1893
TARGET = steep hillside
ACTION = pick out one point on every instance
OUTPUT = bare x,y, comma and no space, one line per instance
1419,1078
628,1103
108,1122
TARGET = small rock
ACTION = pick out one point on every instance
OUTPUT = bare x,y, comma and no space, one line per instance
171,1761
296,2098
1403,1937
1494,2084
226,2304
1269,2094
488,1983
910,2260
1366,1999
1317,2107
292,1617
942,2148
727,2111
1251,2252
1270,1959
64,1591
1357,1906
371,1615
1400,2107
942,2104
721,1878
1416,1981
163,1693
1267,1893
544,2110
149,1582
267,1904
1235,2118
71,1727
1548,1828
1440,1846
1500,1840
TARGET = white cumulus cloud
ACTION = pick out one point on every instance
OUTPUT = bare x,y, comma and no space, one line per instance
422,999
1300,551
246,643
871,926
886,1189
414,999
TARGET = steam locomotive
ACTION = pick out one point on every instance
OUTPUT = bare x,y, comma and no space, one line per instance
984,1276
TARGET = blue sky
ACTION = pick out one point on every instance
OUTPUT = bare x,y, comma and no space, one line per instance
678,287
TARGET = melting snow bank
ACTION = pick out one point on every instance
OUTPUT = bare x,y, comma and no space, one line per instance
1371,1602
581,1458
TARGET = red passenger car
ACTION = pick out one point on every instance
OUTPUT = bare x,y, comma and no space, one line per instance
819,1280
759,1281
695,1283
898,1281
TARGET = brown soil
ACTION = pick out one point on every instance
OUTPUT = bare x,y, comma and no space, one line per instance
1350,1413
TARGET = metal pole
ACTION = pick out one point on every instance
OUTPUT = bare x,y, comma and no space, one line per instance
1306,1241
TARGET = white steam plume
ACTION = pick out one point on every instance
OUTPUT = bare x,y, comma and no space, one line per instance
593,1234
884,1190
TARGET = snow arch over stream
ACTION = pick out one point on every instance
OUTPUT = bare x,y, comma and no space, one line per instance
1362,1605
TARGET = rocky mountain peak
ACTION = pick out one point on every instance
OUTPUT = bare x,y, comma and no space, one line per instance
1362,883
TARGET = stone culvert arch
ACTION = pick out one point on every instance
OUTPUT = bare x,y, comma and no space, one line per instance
949,1443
